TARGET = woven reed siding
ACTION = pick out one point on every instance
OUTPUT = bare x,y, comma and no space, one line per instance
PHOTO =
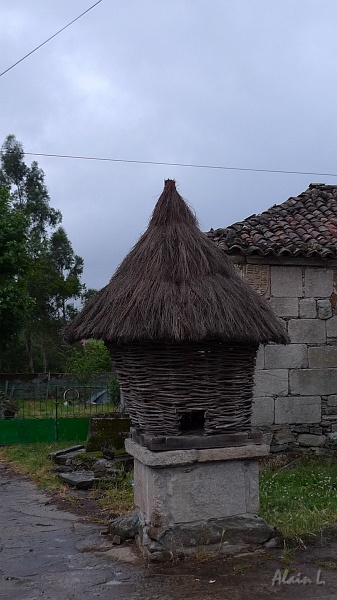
161,382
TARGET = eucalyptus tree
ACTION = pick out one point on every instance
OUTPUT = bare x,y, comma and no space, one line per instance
52,279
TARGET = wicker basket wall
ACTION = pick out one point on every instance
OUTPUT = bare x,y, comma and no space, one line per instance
161,382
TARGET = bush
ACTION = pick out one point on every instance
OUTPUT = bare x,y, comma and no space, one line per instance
88,358
114,392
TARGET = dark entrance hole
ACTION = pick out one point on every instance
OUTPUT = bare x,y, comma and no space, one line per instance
192,422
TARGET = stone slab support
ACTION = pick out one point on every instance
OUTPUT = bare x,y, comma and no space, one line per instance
198,499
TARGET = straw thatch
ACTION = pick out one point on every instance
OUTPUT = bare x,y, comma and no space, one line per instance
175,285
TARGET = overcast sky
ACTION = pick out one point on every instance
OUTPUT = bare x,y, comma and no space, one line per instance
241,83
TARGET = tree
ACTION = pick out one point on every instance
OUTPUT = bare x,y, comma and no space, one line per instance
15,303
88,357
52,280
27,188
87,294
68,268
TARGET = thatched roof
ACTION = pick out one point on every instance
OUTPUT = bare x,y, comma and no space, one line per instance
176,285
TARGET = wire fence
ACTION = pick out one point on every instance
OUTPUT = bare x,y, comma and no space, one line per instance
33,401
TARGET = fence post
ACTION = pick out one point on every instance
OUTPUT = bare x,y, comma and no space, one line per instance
56,416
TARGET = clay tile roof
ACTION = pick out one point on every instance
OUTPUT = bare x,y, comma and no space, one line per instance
305,225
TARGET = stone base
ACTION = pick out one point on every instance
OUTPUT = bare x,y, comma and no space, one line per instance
211,538
194,502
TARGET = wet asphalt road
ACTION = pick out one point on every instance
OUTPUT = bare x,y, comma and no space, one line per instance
49,554
44,551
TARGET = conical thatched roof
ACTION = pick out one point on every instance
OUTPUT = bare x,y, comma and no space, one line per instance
176,285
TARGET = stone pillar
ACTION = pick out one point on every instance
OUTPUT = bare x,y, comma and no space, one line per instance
194,502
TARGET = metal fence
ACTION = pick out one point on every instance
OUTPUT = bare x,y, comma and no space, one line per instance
44,412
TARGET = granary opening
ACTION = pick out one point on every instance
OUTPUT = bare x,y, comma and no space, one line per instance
192,422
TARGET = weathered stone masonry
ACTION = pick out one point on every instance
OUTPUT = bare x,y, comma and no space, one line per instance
295,397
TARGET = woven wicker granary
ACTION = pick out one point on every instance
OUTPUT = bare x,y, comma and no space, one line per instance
182,328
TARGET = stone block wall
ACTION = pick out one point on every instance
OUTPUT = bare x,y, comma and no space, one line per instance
295,395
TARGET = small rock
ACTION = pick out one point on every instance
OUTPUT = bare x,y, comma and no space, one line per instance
63,459
327,453
302,429
101,466
278,448
283,436
154,547
116,540
309,439
105,468
316,430
332,438
267,437
94,543
275,542
127,527
121,554
82,480
332,400
108,453
62,469
331,410
324,309
68,450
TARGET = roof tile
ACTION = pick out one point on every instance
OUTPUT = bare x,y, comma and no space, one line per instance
304,225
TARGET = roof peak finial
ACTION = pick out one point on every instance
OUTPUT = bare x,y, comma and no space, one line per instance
170,184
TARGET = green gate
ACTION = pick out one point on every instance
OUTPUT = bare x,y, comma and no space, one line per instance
38,414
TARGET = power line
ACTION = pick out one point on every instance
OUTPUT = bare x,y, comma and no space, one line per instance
50,38
169,164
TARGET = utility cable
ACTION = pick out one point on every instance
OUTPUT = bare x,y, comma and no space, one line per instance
50,38
169,164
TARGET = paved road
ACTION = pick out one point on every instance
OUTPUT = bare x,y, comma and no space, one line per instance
49,554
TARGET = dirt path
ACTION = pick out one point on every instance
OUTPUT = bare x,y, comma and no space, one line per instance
47,553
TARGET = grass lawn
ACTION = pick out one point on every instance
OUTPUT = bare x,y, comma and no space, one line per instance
31,459
299,499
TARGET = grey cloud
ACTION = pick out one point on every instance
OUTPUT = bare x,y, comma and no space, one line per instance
240,83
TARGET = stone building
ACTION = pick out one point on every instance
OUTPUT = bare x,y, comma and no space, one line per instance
288,254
